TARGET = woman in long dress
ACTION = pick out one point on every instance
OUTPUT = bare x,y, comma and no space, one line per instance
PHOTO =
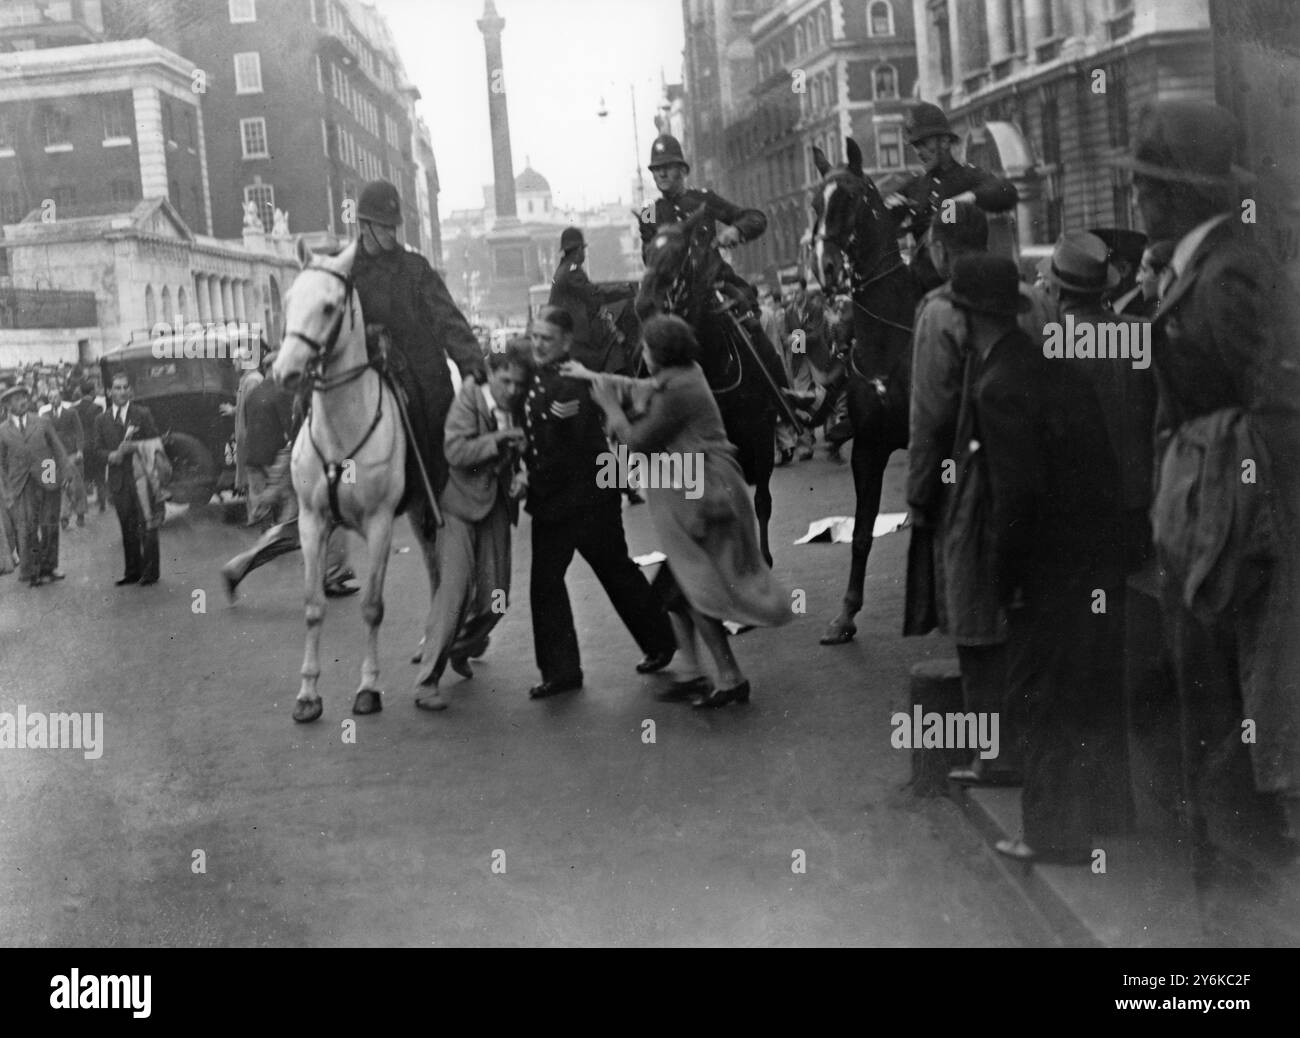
706,525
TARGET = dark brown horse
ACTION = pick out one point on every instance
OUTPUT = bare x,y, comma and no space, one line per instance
855,250
674,283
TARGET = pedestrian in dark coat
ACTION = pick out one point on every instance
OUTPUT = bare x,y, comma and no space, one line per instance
1227,363
116,433
400,291
93,461
34,467
572,512
1038,439
72,434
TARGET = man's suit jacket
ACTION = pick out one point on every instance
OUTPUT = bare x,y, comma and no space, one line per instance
24,455
67,424
89,411
109,436
1053,476
479,474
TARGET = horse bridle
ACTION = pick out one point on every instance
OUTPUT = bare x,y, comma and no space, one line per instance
859,281
318,382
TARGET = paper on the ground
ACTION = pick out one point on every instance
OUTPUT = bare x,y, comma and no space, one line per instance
649,559
838,529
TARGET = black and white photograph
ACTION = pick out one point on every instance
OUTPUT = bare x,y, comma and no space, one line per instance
444,446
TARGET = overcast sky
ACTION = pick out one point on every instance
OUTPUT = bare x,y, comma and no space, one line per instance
560,57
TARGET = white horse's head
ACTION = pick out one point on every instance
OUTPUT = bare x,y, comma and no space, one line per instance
323,324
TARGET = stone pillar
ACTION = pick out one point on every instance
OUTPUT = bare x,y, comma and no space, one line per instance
997,19
214,298
241,311
149,138
491,26
201,298
227,303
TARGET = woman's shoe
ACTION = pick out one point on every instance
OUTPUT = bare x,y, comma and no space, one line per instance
683,690
723,696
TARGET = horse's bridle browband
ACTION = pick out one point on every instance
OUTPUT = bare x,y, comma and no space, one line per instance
859,281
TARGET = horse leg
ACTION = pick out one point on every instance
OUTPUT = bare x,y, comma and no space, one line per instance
312,532
379,541
870,456
429,550
764,464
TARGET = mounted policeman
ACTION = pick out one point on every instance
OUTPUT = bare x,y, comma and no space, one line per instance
402,293
944,178
677,202
595,338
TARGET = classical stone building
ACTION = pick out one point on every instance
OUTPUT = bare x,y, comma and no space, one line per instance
121,273
1048,91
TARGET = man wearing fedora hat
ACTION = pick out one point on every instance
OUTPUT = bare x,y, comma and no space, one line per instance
593,334
944,178
1227,365
34,466
1033,454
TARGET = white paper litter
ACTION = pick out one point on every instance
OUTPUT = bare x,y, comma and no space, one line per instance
838,529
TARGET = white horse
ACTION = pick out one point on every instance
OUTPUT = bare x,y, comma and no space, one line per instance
349,460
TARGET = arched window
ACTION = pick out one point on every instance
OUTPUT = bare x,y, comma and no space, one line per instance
150,307
830,88
167,314
880,19
817,100
824,23
886,83
799,42
180,303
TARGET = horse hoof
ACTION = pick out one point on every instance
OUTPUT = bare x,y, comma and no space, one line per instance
418,658
307,710
432,699
368,701
839,633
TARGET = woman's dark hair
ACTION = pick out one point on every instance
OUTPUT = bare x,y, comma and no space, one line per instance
671,341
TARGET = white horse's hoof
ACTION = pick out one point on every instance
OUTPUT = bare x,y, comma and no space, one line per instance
432,699
306,710
368,701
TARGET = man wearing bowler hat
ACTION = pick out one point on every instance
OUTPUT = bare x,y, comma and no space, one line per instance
1034,457
1227,363
944,178
593,335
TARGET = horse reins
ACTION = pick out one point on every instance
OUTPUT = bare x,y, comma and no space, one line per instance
318,382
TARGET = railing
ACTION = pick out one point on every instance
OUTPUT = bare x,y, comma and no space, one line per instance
46,308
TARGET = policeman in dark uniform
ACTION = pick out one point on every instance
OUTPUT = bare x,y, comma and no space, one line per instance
944,178
670,170
399,290
572,512
593,337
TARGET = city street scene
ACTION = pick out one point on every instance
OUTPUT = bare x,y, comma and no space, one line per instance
650,473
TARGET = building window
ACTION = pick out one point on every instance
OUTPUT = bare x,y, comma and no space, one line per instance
264,196
166,303
248,72
169,121
150,307
886,83
880,19
191,128
252,134
58,127
1117,107
1050,135
122,190
320,77
117,115
889,147
6,131
181,302
243,11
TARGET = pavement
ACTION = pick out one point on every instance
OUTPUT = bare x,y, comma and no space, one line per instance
599,818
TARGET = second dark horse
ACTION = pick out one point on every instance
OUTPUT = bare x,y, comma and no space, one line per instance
674,283
855,249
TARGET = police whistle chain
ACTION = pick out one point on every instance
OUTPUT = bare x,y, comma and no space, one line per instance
767,375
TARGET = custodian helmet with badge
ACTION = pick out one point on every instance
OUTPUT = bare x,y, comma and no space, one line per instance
570,239
927,120
380,203
667,151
